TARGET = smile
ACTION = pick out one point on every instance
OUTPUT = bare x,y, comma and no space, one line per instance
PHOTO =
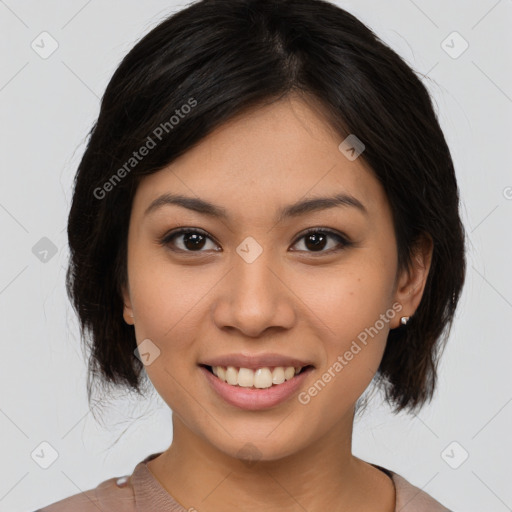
261,388
259,378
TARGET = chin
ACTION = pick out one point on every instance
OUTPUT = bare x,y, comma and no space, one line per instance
258,448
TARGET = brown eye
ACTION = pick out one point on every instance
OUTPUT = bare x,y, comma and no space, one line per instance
315,240
193,240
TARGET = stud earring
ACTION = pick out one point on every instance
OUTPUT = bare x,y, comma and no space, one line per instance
404,320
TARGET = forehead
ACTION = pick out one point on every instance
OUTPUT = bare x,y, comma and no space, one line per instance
265,158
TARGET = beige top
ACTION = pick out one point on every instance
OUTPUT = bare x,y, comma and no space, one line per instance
142,492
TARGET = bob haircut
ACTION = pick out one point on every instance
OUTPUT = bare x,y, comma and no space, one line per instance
217,59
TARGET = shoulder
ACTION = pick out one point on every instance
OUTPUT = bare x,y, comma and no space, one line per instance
119,494
112,495
410,498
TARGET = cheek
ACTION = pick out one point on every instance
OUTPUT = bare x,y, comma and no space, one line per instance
348,300
353,315
166,313
166,297
170,313
349,313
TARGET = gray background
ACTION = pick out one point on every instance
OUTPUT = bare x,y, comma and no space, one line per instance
47,106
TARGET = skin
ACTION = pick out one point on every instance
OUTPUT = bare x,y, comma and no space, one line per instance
292,299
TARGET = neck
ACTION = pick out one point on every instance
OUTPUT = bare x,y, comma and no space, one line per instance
322,475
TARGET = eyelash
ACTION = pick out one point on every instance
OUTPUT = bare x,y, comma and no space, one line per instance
166,239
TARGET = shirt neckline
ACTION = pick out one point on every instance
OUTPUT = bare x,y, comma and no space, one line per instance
150,495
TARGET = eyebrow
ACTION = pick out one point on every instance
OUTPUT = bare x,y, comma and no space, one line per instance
293,210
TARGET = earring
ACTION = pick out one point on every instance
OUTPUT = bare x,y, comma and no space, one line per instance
404,320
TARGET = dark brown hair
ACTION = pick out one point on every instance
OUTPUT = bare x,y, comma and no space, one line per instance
219,58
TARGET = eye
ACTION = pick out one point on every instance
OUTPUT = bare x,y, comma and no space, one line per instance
315,240
193,240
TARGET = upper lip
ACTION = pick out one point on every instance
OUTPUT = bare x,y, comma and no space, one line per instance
255,361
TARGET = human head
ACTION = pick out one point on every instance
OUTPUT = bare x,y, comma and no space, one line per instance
215,60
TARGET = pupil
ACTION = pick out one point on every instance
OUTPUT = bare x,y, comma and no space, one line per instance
313,241
194,237
317,244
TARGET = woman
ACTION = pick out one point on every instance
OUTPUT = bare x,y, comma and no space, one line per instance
265,221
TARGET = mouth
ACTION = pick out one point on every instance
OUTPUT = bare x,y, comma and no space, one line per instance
256,388
259,378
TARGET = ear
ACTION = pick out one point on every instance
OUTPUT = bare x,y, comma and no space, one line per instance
411,282
127,310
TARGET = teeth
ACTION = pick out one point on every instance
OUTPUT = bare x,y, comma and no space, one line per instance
260,378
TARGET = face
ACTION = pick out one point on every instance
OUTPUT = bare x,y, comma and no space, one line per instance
255,282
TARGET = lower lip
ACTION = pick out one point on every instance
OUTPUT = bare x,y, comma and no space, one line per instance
254,399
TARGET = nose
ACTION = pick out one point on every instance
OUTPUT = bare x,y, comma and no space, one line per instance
254,297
